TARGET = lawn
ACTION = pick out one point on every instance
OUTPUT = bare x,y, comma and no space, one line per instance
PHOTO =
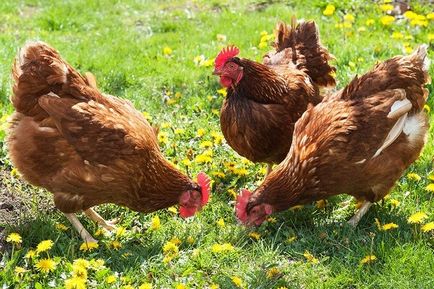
159,54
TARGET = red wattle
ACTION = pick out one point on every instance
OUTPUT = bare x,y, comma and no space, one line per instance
186,212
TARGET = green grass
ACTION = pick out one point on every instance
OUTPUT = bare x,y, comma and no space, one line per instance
122,43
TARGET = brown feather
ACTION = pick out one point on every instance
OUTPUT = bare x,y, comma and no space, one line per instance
85,147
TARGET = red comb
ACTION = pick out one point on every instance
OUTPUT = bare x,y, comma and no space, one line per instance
204,181
240,207
225,54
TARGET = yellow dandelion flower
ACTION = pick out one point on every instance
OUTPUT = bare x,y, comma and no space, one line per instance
120,231
215,111
232,193
291,239
179,131
61,227
80,262
389,226
20,270
349,18
370,22
428,227
329,10
165,125
241,171
430,188
167,51
413,177
310,258
171,101
430,37
97,264
368,259
255,235
214,286
223,92
111,279
190,240
397,35
408,49
218,138
206,144
430,16
115,244
173,210
46,265
145,286
222,248
200,132
297,207
79,272
386,7
378,224
44,246
170,249
417,218
272,272
88,246
219,174
186,162
321,204
198,60
180,286
163,137
351,64
175,240
100,232
387,20
31,254
155,223
221,223
395,202
147,116
75,283
262,45
14,238
410,15
237,281
202,158
271,220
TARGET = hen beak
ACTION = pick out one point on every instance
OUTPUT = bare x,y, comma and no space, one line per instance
217,72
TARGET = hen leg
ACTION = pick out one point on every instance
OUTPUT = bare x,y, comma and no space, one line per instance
100,220
360,213
84,234
269,168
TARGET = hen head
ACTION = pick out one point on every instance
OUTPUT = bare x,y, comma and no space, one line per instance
248,214
192,201
228,67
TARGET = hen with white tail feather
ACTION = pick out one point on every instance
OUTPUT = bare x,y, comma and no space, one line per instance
358,141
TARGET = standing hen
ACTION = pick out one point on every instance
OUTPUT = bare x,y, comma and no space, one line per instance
357,141
89,148
265,100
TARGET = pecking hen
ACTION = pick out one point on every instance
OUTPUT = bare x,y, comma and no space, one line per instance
89,148
264,100
358,141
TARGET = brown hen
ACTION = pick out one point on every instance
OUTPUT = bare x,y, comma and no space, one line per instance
265,100
358,141
86,147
